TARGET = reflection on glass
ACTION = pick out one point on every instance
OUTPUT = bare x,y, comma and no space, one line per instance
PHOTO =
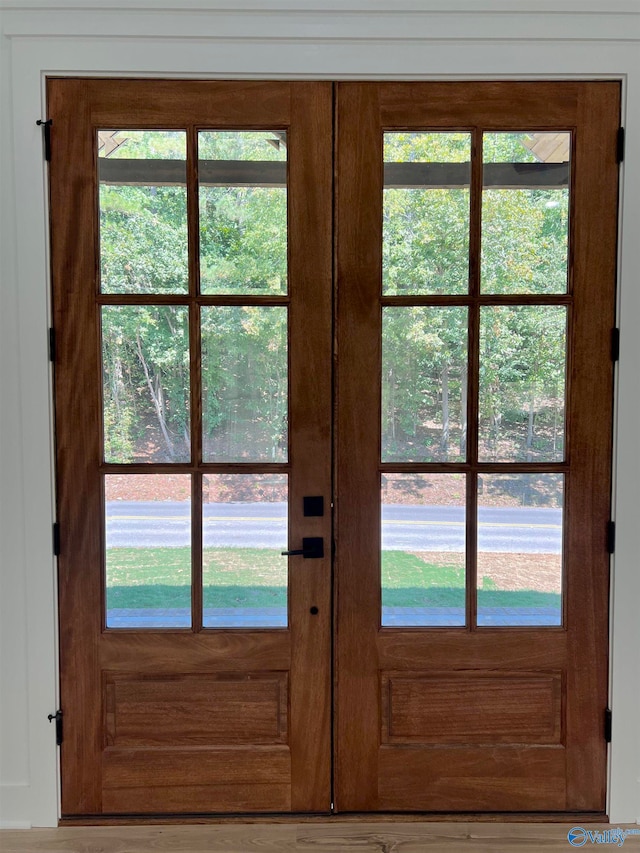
425,242
525,212
244,383
424,384
148,550
520,549
423,550
244,530
242,177
145,371
522,383
143,211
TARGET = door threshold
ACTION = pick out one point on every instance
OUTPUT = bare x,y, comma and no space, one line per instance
337,817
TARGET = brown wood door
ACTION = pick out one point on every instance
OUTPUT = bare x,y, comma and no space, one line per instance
476,227
195,671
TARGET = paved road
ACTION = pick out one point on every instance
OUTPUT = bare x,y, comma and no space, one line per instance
250,525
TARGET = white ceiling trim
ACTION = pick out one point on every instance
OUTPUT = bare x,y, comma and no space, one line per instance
616,7
272,21
300,7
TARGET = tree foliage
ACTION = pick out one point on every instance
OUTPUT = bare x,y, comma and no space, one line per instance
243,250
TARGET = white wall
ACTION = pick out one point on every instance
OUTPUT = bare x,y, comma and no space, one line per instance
327,38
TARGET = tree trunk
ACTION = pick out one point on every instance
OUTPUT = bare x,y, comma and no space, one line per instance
463,412
444,439
530,424
157,401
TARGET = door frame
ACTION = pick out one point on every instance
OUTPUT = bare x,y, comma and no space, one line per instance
29,794
96,757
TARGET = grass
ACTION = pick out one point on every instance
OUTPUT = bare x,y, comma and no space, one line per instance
139,578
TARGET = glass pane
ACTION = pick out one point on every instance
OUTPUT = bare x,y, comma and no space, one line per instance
520,549
424,384
525,212
244,383
148,550
425,234
145,373
242,177
423,550
522,383
143,211
244,530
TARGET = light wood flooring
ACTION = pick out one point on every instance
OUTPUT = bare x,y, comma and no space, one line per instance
331,837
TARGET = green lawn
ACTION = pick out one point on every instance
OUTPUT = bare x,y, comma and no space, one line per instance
253,577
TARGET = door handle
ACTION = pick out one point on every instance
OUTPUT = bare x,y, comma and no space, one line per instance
312,549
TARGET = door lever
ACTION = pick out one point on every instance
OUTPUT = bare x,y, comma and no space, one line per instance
312,549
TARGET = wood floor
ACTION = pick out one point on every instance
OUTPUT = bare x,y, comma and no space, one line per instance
335,837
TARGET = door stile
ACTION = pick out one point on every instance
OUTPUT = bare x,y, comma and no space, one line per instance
79,502
310,358
359,229
591,378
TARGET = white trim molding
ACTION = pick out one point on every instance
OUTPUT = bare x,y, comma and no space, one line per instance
301,39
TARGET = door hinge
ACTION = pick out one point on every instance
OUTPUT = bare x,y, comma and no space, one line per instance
607,725
611,537
620,145
58,718
615,344
52,344
45,124
56,539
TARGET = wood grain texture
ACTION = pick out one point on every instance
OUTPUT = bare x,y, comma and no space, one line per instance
358,323
472,708
506,778
337,836
78,440
187,780
310,263
180,709
491,105
135,104
590,411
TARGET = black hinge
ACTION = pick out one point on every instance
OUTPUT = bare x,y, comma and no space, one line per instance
615,344
620,145
58,718
607,725
52,344
45,124
56,539
611,536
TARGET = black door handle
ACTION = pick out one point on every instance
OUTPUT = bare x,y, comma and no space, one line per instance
312,549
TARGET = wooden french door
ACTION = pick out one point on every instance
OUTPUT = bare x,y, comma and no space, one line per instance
195,673
488,366
444,466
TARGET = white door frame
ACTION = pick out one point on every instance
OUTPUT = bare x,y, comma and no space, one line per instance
328,39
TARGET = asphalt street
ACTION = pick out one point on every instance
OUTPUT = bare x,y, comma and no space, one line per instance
264,525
